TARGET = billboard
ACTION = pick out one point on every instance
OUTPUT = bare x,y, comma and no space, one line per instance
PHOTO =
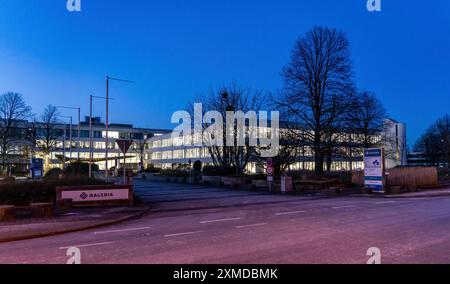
374,169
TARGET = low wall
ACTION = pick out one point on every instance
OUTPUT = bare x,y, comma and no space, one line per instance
417,177
104,195
214,180
235,181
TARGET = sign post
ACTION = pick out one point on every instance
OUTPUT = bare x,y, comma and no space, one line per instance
270,171
374,169
124,146
36,168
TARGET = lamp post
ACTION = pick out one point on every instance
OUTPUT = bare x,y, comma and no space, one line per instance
79,127
91,142
65,137
108,78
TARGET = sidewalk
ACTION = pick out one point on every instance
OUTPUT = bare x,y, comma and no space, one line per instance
423,193
73,221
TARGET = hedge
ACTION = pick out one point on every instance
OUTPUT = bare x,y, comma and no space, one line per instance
24,193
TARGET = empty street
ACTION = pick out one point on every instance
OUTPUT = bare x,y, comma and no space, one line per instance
199,224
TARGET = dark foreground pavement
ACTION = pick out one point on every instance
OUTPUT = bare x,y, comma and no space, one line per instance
61,223
195,224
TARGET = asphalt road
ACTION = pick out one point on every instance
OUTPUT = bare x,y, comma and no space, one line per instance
196,224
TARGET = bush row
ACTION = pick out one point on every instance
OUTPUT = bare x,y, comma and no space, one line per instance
24,193
73,169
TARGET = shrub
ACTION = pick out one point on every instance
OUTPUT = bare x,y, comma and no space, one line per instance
152,169
218,171
53,174
444,174
79,169
173,173
24,193
8,180
198,166
305,175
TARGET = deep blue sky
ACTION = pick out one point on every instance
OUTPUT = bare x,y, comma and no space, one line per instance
176,50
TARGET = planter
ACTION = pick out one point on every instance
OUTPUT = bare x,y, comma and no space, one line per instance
335,190
235,181
215,180
41,210
259,183
64,204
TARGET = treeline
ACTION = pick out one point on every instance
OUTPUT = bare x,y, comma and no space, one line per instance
17,138
322,111
434,144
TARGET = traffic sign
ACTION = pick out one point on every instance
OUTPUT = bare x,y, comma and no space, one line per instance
270,171
124,145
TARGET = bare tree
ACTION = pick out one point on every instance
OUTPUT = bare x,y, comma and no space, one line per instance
231,98
366,119
13,112
317,85
140,147
289,152
435,143
47,132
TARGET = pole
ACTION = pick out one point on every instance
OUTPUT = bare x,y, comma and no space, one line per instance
107,119
124,169
107,122
64,145
70,139
90,137
79,133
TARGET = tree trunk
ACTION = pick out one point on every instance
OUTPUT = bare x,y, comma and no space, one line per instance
318,159
329,162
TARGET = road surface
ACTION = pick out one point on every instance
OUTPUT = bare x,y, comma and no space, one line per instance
207,225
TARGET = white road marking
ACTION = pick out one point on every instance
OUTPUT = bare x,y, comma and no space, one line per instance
220,220
289,213
252,225
88,245
122,230
386,202
183,234
343,207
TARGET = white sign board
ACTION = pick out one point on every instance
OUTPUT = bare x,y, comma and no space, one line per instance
96,195
374,169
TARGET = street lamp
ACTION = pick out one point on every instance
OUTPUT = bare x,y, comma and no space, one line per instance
79,127
107,119
65,137
91,153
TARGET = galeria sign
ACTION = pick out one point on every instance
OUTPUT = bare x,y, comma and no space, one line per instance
374,169
96,195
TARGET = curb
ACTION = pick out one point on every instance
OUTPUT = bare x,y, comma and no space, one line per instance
437,194
78,229
419,196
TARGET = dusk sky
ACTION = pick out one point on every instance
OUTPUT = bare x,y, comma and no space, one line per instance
177,50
